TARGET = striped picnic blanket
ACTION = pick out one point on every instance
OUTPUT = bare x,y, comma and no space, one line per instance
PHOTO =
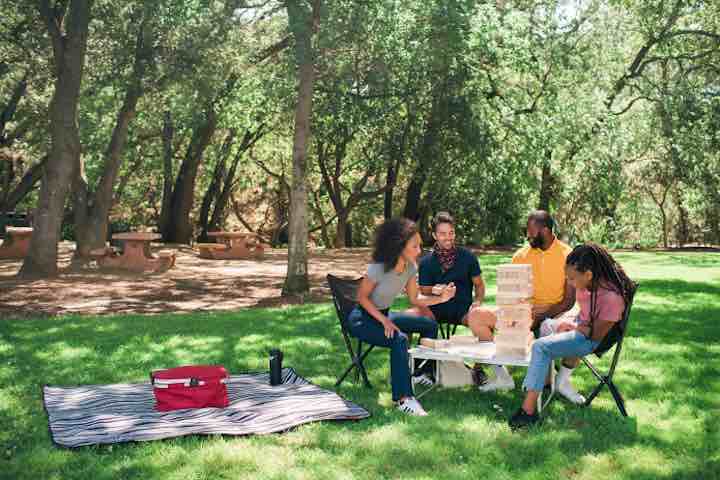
98,414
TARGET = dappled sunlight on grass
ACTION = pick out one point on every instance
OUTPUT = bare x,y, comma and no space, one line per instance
669,375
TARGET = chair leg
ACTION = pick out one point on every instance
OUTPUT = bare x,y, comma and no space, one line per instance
619,401
345,374
361,367
357,365
353,357
594,393
441,331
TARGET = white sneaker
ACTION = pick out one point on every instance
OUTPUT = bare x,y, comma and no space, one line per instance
565,388
497,383
424,380
412,407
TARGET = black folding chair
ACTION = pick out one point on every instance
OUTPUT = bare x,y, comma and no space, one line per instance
614,337
344,294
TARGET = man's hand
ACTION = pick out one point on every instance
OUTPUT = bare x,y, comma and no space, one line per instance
448,292
437,289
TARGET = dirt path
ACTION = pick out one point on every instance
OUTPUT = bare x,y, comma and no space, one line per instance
193,285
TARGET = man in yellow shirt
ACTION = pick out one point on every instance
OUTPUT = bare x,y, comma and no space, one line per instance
552,295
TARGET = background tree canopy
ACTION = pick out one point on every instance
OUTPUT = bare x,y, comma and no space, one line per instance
605,112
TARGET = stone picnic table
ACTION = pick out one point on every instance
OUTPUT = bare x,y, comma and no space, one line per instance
232,246
136,255
16,243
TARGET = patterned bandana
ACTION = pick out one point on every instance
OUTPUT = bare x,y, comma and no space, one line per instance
446,257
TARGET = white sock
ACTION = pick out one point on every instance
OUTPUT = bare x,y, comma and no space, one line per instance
501,372
563,375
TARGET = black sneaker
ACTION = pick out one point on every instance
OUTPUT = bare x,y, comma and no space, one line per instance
522,419
478,374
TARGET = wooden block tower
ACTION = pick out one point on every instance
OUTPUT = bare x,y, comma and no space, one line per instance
513,337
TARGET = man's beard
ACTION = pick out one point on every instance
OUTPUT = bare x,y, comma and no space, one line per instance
447,245
536,241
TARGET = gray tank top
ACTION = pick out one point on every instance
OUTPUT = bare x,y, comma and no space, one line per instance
388,285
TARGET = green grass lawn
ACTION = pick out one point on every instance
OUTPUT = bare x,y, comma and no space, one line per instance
669,375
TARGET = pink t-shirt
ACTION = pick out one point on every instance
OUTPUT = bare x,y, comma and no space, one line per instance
610,305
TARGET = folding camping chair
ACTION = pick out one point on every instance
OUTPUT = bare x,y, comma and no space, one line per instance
611,339
344,294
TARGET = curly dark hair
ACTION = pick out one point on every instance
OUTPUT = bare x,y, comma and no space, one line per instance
390,240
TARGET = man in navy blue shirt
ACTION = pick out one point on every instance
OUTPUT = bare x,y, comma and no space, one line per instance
451,265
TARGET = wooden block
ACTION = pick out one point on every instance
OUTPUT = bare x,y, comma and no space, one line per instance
434,343
515,336
509,316
514,273
503,299
511,340
525,291
463,339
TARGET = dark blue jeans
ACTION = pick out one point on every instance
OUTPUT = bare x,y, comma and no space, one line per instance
366,328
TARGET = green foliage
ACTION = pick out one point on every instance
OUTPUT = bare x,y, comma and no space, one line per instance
472,100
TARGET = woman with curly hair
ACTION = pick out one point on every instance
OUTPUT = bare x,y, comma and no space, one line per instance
397,247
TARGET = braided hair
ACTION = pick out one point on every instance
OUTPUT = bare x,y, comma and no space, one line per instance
606,273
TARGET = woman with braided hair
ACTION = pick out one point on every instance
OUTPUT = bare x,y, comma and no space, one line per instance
602,291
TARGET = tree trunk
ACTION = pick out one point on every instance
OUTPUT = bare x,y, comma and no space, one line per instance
92,209
425,157
302,25
179,227
64,159
168,134
546,187
341,229
213,191
321,220
683,227
26,185
223,198
9,111
388,197
663,217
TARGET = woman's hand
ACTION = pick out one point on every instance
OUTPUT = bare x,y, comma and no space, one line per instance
390,328
565,327
448,292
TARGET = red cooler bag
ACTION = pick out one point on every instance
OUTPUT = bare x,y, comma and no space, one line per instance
192,386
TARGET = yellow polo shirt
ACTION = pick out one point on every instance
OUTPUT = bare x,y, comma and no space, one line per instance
548,267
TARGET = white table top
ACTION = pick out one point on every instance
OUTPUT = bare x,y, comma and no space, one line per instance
482,352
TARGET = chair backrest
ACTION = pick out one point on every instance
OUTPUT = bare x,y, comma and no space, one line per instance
344,292
617,332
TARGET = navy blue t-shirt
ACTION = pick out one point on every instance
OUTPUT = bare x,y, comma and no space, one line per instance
465,268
